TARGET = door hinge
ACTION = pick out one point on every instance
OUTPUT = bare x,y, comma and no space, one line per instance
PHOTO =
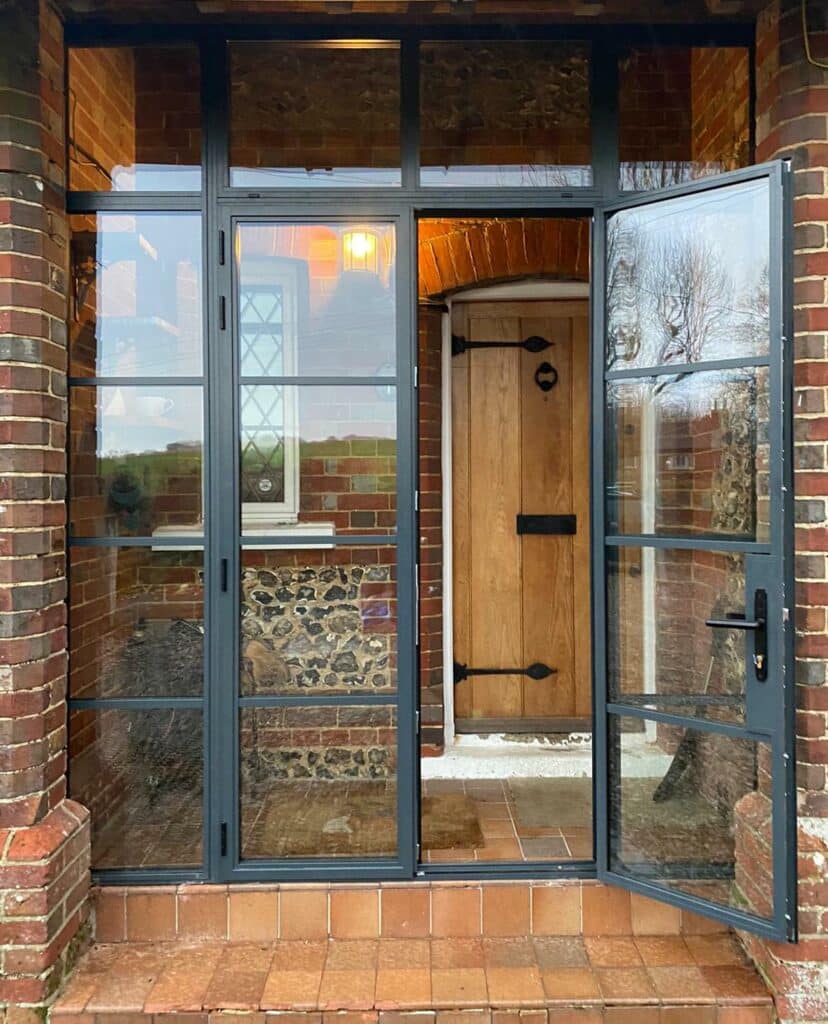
224,575
222,313
221,248
223,838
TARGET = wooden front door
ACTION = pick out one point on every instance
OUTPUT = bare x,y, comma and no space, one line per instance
521,598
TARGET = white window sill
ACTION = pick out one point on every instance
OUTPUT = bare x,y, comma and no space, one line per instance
257,528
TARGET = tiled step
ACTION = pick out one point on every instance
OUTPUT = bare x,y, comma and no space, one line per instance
622,979
436,909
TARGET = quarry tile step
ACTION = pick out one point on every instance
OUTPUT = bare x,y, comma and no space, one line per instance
638,980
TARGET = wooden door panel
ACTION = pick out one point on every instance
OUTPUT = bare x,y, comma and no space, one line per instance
521,598
496,598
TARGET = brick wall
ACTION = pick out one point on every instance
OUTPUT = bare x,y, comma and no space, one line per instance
44,838
792,121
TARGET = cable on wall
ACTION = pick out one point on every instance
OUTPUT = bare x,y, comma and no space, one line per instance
806,37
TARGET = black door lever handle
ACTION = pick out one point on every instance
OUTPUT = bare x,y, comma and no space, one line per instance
758,625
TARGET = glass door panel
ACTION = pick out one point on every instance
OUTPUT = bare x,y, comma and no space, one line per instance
322,602
694,753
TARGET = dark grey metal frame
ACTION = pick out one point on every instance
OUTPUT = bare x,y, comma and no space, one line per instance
220,207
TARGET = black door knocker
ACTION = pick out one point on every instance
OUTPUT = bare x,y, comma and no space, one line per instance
544,369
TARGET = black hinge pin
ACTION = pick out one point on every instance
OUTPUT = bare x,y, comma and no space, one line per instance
223,838
221,248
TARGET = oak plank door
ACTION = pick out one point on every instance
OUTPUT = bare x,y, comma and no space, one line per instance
516,449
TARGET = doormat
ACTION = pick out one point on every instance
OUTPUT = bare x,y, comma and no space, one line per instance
552,803
348,819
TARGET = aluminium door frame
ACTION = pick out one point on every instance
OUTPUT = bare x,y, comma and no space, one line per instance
780,548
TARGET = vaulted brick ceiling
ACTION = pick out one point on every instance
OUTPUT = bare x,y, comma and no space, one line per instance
586,11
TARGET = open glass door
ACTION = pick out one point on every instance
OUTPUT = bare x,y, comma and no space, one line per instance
693,591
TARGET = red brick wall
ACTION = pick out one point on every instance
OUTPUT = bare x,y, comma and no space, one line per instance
44,839
792,121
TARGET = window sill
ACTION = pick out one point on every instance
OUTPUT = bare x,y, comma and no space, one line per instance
261,528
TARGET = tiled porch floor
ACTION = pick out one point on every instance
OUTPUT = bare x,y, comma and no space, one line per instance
707,974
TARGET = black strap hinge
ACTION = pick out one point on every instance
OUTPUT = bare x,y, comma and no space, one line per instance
534,343
537,670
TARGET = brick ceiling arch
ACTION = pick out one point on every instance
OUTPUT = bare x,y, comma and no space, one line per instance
459,253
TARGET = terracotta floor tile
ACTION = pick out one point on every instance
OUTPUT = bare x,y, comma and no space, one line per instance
632,1015
545,848
347,990
575,1015
405,912
459,953
130,979
735,984
606,911
664,951
560,951
515,952
406,989
499,849
355,913
505,910
303,914
182,984
352,955
612,951
459,988
715,950
287,989
239,978
626,984
688,1015
681,984
253,916
556,910
570,983
746,1015
455,911
78,992
514,986
299,956
409,954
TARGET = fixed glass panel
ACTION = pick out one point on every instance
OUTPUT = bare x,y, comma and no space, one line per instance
318,621
692,812
305,114
683,113
137,622
512,113
134,118
687,278
660,653
316,299
318,782
689,454
136,295
321,457
135,460
140,773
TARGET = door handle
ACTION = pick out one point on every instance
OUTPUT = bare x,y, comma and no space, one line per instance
758,625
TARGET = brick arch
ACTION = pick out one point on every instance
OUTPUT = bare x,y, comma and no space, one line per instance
459,253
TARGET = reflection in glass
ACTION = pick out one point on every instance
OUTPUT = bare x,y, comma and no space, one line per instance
691,810
505,114
316,299
687,278
135,460
311,114
319,455
137,622
140,774
660,653
318,621
689,454
134,119
683,113
318,782
136,295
